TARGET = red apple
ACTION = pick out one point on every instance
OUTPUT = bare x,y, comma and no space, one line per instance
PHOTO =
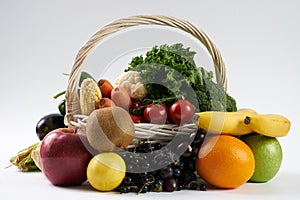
64,158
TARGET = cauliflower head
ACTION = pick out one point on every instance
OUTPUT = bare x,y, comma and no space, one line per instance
132,82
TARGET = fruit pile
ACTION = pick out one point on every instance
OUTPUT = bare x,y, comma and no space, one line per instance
224,150
227,150
173,170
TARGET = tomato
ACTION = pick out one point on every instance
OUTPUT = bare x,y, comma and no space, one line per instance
136,105
156,113
136,108
181,112
137,118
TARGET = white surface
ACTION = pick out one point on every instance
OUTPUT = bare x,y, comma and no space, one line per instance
34,186
259,41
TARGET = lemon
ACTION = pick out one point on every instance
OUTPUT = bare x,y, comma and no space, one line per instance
106,171
268,157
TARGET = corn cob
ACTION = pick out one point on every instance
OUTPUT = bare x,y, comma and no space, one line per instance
90,96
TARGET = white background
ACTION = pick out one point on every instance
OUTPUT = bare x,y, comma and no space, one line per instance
259,41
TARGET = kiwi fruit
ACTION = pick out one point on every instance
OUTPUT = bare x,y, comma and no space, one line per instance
109,128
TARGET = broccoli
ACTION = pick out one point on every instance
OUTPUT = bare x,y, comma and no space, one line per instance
170,71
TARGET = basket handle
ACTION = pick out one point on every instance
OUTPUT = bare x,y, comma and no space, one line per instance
72,99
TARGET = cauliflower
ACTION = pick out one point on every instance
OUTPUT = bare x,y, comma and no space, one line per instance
132,82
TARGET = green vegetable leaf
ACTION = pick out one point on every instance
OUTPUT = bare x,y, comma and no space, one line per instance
170,71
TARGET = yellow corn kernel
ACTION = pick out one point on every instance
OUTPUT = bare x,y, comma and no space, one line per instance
90,96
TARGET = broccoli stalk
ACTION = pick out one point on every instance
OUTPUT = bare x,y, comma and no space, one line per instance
170,71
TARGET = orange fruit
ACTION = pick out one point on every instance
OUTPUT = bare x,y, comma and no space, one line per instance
225,161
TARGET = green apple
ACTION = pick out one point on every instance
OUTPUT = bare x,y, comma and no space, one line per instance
268,157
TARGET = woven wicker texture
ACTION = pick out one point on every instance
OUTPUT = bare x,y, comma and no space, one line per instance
72,99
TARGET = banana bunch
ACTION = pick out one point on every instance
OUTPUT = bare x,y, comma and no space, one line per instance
242,122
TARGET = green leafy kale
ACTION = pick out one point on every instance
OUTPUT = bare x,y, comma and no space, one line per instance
170,71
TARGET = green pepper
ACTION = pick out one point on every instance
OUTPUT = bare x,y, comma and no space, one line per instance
62,107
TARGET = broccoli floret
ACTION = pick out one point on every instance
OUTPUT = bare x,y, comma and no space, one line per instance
171,71
215,98
230,104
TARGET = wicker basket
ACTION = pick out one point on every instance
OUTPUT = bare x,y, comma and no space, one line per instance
143,131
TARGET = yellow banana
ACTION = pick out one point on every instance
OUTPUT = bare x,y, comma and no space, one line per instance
223,122
247,110
272,125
